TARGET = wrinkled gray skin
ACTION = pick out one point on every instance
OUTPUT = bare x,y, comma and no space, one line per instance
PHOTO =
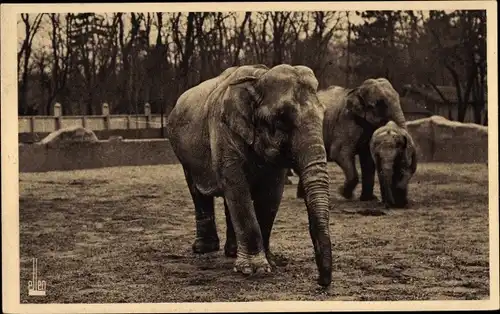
351,117
235,136
395,157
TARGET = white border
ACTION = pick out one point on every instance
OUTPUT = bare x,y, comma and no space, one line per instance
10,176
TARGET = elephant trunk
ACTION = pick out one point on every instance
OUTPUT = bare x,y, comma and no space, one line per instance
310,163
398,116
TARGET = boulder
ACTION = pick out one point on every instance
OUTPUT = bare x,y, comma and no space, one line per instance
69,135
115,138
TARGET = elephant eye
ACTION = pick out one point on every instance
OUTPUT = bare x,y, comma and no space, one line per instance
381,104
285,121
282,124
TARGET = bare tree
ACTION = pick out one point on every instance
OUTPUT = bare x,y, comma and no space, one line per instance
24,54
241,38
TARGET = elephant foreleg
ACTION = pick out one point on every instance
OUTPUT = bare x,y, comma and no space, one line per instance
400,197
230,248
346,161
267,198
367,175
206,231
400,190
250,249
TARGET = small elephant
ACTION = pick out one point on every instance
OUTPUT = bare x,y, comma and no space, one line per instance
351,117
393,150
235,136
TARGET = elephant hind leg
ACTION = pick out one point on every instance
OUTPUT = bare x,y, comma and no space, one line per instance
346,162
300,189
207,239
231,246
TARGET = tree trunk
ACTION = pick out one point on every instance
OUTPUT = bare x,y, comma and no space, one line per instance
241,38
188,51
348,52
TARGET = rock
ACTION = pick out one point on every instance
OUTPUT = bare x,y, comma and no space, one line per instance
115,138
75,134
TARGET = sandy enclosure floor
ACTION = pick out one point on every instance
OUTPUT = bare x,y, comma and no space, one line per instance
124,235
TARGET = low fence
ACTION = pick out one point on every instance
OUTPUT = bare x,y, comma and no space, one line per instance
152,133
140,126
437,140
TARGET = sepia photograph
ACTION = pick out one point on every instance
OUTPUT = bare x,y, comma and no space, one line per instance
249,156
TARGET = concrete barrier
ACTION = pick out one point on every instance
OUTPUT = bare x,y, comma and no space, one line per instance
87,155
441,140
437,140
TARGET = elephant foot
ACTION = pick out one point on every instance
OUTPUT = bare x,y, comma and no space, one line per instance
276,259
230,249
346,193
251,264
369,197
401,204
400,198
204,245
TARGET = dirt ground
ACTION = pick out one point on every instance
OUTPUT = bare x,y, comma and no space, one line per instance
124,235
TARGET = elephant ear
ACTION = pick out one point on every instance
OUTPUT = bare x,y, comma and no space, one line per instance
355,103
238,107
307,76
410,154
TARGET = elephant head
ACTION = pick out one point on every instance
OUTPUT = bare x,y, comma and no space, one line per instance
394,154
280,118
376,102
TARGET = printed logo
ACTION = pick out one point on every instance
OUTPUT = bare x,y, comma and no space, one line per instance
36,287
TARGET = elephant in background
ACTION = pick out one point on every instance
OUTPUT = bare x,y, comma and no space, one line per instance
235,136
395,157
351,117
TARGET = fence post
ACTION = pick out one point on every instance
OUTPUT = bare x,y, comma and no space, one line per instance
147,113
105,113
32,125
57,115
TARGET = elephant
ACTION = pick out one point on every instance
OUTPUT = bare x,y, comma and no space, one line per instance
235,136
351,117
393,150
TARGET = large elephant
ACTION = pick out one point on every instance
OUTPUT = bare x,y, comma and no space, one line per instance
351,117
393,150
235,136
